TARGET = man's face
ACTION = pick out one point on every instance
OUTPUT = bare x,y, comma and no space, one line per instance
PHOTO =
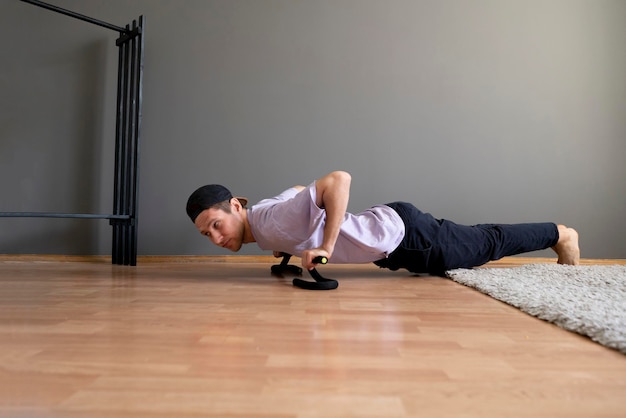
222,228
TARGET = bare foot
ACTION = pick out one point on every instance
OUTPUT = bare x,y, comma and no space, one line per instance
567,246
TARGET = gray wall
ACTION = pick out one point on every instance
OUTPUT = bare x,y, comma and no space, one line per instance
477,111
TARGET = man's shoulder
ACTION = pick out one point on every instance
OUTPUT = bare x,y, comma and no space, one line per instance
285,197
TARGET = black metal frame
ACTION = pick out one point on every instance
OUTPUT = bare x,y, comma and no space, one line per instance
127,134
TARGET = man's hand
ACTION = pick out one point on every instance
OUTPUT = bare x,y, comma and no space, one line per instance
309,255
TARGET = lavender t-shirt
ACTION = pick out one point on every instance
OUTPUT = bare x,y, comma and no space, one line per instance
291,222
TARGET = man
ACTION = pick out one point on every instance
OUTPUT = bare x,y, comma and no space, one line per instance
312,221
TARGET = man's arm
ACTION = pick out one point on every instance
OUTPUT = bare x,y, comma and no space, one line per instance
332,194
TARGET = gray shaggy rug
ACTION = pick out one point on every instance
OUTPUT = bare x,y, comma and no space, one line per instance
589,300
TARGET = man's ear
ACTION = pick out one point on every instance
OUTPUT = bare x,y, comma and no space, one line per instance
236,204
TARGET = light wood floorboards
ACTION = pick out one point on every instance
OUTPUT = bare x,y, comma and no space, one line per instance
193,337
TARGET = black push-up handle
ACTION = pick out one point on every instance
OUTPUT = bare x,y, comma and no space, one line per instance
285,267
320,283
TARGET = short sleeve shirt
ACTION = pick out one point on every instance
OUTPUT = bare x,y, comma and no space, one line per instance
292,222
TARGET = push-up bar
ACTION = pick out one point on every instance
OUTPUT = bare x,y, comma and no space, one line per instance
320,283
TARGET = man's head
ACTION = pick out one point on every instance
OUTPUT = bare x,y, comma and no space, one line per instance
209,196
219,216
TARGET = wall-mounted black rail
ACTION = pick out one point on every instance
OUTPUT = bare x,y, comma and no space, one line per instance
127,138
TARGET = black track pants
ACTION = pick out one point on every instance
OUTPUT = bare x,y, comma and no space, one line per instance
433,245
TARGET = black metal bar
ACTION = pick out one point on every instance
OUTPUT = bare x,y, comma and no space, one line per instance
75,15
61,215
122,151
126,151
130,145
137,136
115,238
133,134
119,140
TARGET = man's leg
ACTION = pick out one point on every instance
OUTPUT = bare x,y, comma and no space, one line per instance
463,246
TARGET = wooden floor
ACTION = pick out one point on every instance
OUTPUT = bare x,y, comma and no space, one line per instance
223,338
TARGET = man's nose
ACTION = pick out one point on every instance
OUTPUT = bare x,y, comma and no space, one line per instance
216,238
